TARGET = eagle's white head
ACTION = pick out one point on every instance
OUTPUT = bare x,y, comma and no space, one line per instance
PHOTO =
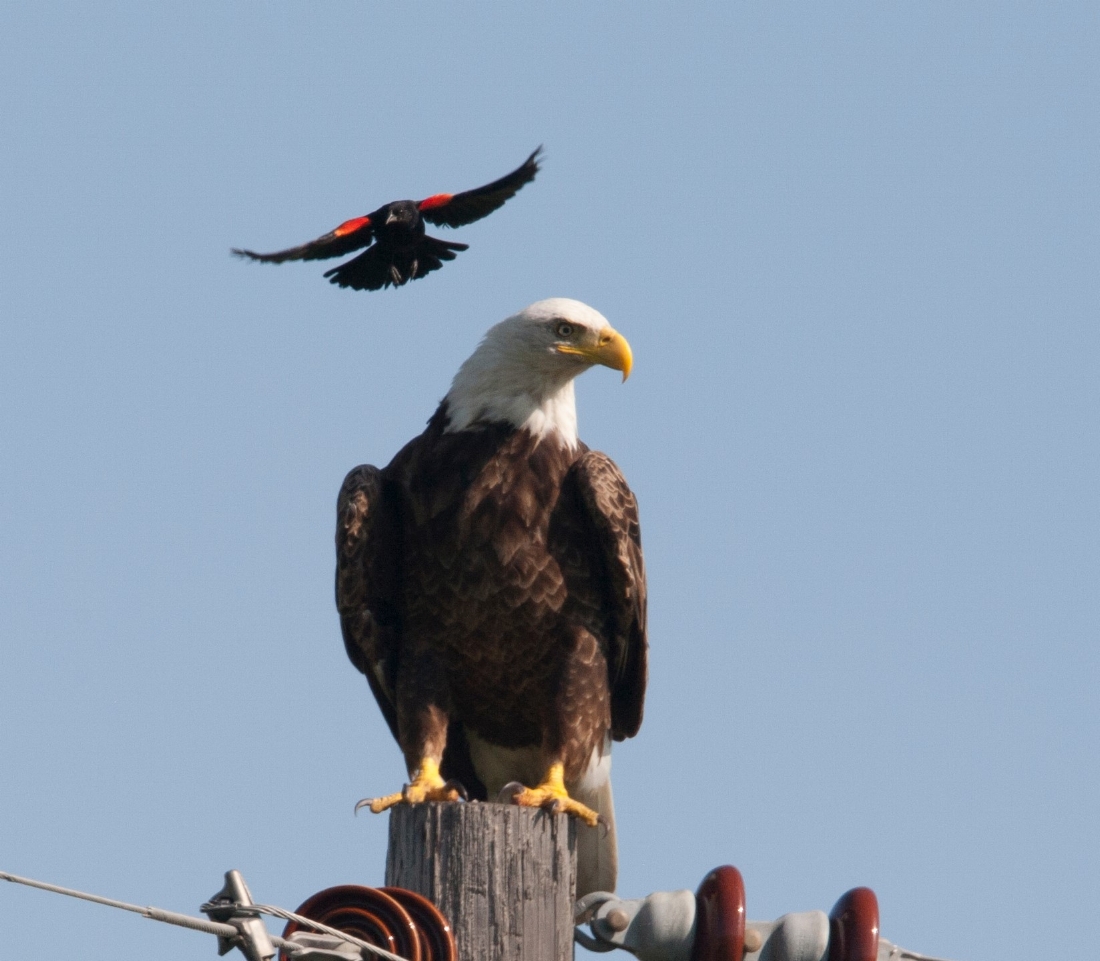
522,371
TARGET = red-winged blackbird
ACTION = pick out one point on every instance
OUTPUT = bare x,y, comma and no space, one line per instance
401,251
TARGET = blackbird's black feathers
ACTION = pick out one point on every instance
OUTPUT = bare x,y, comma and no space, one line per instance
398,249
331,244
471,205
379,266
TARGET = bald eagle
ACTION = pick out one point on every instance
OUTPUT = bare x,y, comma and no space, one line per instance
491,587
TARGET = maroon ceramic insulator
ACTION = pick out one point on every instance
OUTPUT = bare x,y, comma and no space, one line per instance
853,927
720,916
437,942
367,913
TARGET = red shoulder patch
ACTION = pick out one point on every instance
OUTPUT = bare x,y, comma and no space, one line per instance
436,200
350,226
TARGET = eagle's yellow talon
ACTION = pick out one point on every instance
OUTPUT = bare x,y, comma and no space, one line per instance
427,785
552,796
378,804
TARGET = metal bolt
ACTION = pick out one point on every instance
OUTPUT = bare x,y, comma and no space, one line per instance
617,919
753,940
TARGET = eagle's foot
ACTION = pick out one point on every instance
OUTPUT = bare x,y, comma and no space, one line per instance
427,785
551,795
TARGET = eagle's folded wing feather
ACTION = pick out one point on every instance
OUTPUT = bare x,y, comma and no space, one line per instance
368,551
612,511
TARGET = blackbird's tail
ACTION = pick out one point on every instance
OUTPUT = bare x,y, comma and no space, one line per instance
383,266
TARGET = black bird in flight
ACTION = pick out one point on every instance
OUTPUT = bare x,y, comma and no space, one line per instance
401,251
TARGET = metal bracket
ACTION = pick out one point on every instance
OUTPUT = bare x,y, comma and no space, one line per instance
231,906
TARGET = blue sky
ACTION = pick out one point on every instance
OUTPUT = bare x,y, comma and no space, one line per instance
854,247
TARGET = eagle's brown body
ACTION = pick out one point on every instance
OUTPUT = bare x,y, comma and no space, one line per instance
491,587
493,582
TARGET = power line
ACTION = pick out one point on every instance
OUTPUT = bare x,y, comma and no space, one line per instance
222,930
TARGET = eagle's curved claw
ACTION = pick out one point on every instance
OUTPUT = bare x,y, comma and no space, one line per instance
427,785
551,796
510,792
458,787
379,804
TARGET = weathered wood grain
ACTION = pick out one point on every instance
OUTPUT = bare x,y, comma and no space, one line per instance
504,876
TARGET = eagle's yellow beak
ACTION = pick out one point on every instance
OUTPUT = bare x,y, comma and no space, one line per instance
611,350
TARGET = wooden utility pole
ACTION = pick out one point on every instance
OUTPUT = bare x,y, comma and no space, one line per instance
504,876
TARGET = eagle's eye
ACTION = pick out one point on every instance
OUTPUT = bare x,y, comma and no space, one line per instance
564,330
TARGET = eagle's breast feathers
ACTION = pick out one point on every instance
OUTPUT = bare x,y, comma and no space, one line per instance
494,552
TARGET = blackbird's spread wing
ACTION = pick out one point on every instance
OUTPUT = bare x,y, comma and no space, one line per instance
368,577
449,210
350,235
454,210
612,511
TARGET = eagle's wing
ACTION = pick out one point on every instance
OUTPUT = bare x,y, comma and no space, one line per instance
368,570
350,235
613,513
455,210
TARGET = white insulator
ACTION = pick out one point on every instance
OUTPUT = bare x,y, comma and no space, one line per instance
664,927
660,927
801,936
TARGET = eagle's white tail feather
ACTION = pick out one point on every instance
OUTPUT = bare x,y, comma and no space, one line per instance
597,851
